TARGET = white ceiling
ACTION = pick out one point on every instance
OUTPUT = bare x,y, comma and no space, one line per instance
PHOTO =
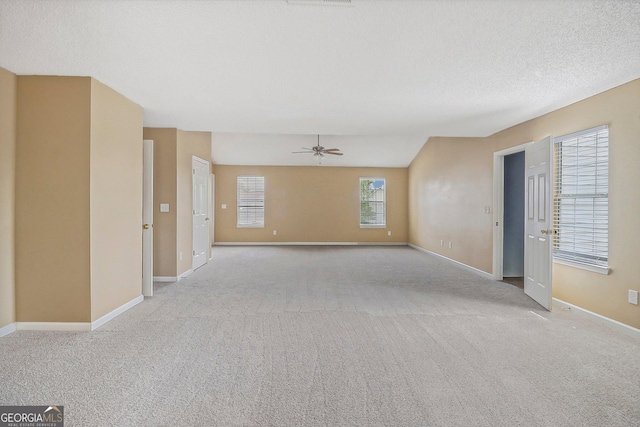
375,79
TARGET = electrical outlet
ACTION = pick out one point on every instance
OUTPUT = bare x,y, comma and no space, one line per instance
633,296
275,232
441,242
388,233
487,209
450,245
180,255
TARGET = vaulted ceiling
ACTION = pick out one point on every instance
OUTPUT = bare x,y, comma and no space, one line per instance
374,78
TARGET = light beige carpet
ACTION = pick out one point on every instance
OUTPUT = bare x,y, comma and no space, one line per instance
335,336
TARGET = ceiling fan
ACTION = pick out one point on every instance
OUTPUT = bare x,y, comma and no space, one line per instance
319,151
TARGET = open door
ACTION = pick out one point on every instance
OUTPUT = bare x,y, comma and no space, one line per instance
538,230
201,248
212,212
147,218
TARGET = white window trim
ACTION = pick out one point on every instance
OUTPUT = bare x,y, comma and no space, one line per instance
589,267
600,269
263,202
360,202
249,225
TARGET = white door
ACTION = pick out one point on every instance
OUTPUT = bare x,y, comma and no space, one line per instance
200,212
538,229
212,212
147,218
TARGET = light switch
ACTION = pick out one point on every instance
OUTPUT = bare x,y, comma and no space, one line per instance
164,207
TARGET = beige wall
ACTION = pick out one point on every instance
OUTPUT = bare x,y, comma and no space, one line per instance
116,200
8,99
165,142
311,204
78,199
450,186
52,199
189,144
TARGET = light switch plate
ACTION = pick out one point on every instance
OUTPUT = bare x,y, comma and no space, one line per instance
633,296
164,207
224,206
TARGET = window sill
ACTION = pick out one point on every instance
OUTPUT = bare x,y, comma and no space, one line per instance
588,267
250,226
373,226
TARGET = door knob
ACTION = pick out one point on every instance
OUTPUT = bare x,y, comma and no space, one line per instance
146,226
206,219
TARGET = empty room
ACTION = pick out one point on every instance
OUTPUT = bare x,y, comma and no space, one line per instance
319,213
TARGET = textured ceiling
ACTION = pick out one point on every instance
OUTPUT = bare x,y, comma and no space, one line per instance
375,79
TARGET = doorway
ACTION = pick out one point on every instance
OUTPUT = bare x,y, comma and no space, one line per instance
537,205
509,214
513,219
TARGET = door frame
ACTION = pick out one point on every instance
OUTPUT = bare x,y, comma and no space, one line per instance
212,212
498,207
147,218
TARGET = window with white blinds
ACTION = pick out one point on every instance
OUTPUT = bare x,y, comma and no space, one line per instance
373,209
581,205
250,196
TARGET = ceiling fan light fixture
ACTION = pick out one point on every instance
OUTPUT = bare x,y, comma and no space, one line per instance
319,151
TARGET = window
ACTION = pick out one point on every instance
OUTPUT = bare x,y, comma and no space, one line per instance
372,203
581,214
250,192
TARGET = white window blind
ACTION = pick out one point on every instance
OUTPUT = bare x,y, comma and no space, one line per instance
250,196
581,205
373,210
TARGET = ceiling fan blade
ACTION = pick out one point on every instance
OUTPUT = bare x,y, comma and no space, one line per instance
334,153
302,152
331,149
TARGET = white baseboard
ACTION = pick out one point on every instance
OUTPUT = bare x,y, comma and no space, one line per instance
599,317
165,279
460,264
171,279
54,326
124,307
185,274
311,243
6,330
71,326
382,243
